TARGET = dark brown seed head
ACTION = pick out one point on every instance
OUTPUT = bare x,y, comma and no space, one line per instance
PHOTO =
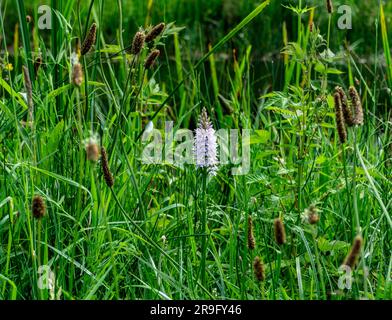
77,74
259,270
105,168
150,60
354,253
280,233
313,216
89,41
329,6
92,151
356,102
155,32
348,116
340,125
38,207
137,43
251,238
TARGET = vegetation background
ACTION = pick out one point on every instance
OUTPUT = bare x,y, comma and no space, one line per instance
160,232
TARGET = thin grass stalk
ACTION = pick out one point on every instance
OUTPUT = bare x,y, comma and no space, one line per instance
354,195
203,227
325,76
56,39
376,64
299,41
38,246
25,31
319,267
120,36
349,198
112,256
9,242
356,212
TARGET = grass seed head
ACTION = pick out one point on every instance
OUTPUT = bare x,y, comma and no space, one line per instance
92,151
358,110
137,43
340,123
155,32
329,6
313,216
150,60
77,74
38,207
354,253
251,238
348,116
259,269
280,233
105,168
89,41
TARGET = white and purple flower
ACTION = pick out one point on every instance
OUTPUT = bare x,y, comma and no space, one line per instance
205,145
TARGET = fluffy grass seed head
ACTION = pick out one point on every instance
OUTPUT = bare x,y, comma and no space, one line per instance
105,168
251,238
91,145
38,207
280,232
205,144
354,253
137,43
155,32
356,101
89,41
348,116
259,269
340,123
77,70
151,58
77,74
312,214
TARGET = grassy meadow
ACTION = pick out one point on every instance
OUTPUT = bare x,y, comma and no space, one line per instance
86,85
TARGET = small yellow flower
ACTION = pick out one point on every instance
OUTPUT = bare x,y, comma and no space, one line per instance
9,67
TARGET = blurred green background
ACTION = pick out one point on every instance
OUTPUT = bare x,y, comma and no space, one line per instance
205,22
208,20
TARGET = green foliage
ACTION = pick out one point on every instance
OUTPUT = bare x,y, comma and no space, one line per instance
168,232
